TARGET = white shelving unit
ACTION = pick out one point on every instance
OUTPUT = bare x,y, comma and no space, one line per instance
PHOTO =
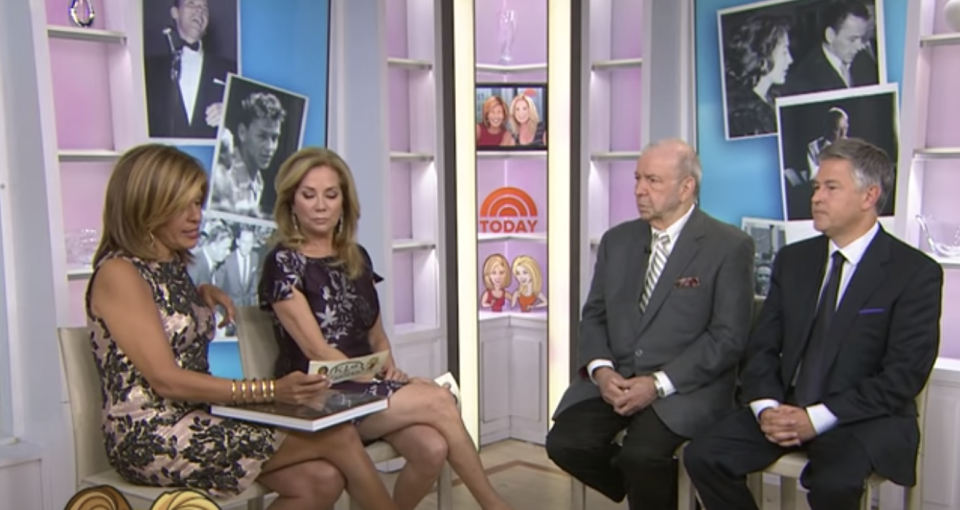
415,117
611,105
931,56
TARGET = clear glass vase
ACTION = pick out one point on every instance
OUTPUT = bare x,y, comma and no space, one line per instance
82,13
506,35
943,237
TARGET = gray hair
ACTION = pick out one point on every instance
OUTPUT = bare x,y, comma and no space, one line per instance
688,162
871,165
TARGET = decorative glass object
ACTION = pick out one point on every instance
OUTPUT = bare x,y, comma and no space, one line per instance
82,13
951,13
942,237
81,246
507,33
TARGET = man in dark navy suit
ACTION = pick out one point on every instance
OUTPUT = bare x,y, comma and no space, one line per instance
844,59
845,342
185,88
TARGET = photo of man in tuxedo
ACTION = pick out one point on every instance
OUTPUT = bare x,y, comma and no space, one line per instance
185,79
664,325
844,344
845,58
216,240
240,272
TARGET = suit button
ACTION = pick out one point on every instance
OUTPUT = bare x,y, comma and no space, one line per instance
638,352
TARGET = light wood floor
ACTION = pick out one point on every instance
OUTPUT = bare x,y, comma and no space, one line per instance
528,480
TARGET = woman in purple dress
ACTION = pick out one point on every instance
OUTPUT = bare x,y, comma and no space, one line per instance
319,284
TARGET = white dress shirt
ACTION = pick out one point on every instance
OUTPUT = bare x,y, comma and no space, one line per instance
191,65
821,417
673,233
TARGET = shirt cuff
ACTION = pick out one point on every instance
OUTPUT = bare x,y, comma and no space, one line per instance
665,383
595,364
758,406
821,418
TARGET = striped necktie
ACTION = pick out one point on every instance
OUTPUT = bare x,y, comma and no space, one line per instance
657,261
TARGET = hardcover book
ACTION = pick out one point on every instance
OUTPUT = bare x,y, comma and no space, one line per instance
332,407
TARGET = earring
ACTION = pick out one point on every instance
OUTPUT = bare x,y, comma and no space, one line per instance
296,222
153,240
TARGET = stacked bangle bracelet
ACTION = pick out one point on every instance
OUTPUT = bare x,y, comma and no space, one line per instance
252,391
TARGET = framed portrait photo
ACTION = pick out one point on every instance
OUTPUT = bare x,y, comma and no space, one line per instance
262,126
511,116
780,48
810,122
190,47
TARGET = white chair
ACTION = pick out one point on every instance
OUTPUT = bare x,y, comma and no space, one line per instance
790,467
92,466
258,353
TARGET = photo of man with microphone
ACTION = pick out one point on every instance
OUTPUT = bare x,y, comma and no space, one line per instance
186,68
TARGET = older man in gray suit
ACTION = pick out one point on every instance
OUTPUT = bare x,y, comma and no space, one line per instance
664,326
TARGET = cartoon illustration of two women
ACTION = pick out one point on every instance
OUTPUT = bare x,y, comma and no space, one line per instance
498,274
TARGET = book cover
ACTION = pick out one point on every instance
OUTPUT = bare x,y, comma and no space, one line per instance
330,408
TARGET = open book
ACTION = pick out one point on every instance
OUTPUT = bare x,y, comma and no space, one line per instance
345,369
332,407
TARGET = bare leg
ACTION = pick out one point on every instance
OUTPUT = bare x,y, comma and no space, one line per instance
311,485
425,451
429,404
341,446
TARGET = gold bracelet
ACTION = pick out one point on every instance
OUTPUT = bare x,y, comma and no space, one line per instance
273,392
263,390
233,391
253,391
243,391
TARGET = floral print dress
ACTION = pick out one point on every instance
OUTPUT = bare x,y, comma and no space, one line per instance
345,309
154,441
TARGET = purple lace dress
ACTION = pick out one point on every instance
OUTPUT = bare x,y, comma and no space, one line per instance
345,309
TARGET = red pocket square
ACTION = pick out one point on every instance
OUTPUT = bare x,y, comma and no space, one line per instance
689,281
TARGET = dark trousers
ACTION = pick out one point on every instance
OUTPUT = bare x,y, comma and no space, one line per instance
719,460
581,443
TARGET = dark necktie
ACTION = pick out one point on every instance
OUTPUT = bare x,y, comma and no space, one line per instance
810,381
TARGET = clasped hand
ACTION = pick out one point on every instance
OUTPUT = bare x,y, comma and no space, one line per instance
627,396
787,426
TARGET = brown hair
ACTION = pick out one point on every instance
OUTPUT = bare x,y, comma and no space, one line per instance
150,185
489,104
291,174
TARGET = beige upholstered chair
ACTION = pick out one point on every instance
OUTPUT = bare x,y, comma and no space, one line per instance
790,466
258,353
83,384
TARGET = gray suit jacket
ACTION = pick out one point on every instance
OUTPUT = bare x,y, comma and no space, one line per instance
696,333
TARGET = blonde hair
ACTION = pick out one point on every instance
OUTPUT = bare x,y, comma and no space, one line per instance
186,499
101,497
489,104
291,174
531,107
490,264
150,185
536,278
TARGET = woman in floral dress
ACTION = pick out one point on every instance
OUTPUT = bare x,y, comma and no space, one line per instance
320,286
150,329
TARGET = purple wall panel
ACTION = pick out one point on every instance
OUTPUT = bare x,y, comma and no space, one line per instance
401,203
625,109
942,123
58,13
950,320
397,28
399,100
623,203
627,19
82,188
81,95
530,42
403,290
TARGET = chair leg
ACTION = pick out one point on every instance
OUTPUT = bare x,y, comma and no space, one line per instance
686,495
445,488
343,503
255,504
755,485
578,494
788,493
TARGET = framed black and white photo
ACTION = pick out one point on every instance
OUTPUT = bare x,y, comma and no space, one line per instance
189,49
229,255
779,48
262,126
809,123
768,237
